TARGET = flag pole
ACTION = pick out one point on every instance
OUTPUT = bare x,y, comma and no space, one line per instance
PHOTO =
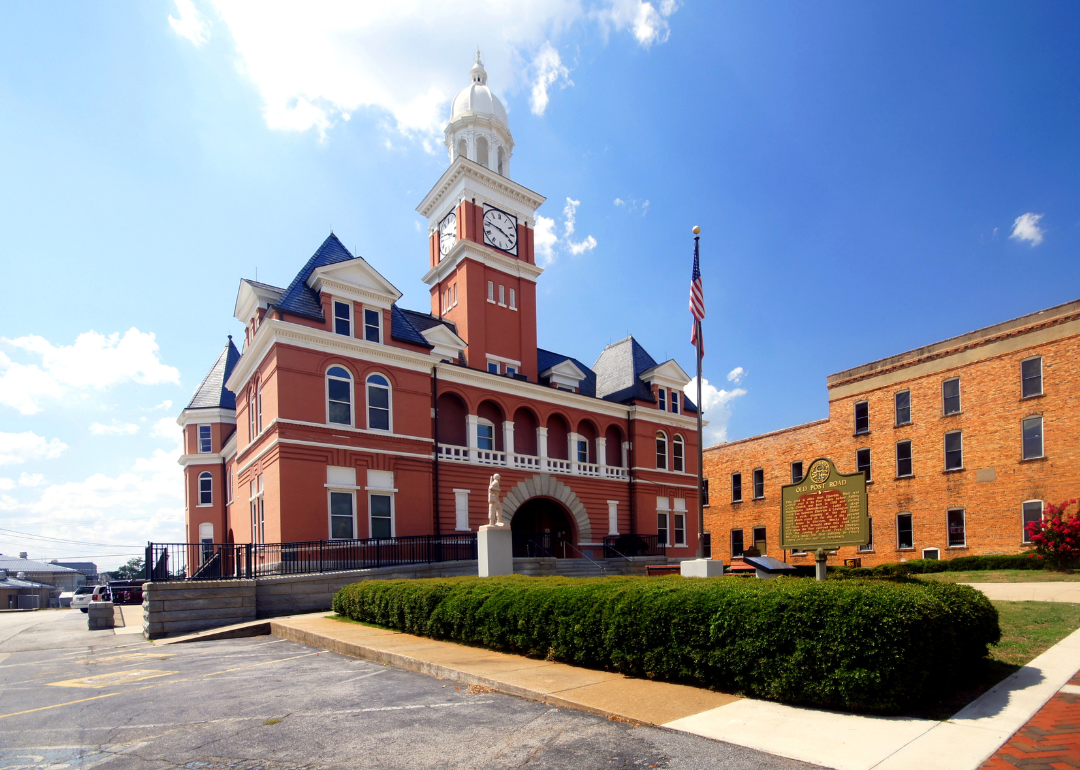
700,450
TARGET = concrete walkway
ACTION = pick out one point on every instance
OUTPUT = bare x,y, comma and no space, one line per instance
836,740
1030,592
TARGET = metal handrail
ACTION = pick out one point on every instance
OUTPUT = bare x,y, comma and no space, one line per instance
603,569
617,551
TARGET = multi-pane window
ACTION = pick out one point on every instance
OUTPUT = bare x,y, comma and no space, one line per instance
661,450
954,450
251,414
675,401
206,489
338,396
206,441
903,407
661,395
905,533
372,325
862,462
736,488
759,540
1033,512
485,436
931,553
493,367
862,417
378,402
759,483
513,300
678,463
950,396
870,542
502,294
382,515
796,472
955,522
491,291
662,514
341,516
736,543
582,451
678,523
1033,437
343,318
903,458
1031,377
258,407
511,371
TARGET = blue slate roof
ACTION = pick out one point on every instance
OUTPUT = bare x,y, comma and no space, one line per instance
299,298
618,374
545,359
213,394
406,325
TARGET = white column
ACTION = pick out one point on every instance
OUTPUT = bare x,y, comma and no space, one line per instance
625,454
508,441
541,448
572,439
613,517
471,421
601,452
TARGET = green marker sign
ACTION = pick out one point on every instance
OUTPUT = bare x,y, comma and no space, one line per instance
826,510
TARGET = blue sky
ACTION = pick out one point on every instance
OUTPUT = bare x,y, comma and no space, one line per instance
869,178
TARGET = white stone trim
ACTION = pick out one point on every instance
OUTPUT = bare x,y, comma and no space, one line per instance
485,255
463,169
207,415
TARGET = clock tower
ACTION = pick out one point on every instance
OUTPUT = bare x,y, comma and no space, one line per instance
481,228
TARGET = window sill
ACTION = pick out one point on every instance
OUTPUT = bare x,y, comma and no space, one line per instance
952,414
856,434
493,302
502,304
1039,459
902,424
954,470
901,478
912,549
205,505
759,498
736,502
956,548
1032,397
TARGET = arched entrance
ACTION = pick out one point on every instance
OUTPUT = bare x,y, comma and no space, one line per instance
543,527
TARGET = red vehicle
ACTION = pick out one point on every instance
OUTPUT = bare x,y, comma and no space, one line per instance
126,591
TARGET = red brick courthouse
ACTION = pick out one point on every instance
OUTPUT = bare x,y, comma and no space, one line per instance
963,442
348,416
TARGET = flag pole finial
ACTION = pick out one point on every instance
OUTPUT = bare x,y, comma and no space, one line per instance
696,229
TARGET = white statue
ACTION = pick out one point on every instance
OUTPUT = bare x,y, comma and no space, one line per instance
495,514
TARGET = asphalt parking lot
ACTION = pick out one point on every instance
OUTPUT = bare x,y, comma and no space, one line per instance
72,698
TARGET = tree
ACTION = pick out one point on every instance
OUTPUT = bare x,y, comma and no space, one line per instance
1056,537
135,568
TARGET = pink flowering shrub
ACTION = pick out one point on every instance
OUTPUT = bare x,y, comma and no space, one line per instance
1057,537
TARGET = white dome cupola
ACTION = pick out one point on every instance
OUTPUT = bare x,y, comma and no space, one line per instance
479,128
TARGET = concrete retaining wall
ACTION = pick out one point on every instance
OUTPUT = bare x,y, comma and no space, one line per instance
100,616
176,608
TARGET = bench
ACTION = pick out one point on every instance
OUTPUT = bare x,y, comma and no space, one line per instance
661,569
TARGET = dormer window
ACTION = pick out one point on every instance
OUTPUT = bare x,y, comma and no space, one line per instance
675,401
493,367
661,395
343,318
372,325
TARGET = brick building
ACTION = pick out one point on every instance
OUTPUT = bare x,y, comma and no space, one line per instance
963,441
349,417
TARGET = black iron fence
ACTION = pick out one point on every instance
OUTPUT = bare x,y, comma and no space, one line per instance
533,544
224,561
633,545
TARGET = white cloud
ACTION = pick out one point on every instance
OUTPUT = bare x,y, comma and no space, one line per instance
646,22
16,448
544,239
94,363
116,429
549,70
736,375
716,408
191,24
315,64
166,405
620,202
631,205
166,428
549,243
31,479
580,247
1026,228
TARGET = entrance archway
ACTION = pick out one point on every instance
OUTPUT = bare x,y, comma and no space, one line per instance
543,527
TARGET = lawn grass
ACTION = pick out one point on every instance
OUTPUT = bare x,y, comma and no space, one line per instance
1002,576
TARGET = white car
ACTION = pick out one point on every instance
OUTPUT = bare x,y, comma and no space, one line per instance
86,594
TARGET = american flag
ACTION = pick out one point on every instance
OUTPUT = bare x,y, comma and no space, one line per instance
697,300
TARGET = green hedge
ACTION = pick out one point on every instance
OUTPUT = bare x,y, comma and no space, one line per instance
859,645
959,564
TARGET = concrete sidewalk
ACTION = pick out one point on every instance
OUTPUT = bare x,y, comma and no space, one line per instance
1058,591
832,739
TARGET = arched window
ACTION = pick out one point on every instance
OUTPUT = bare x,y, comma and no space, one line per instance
462,149
338,396
677,462
661,450
502,161
206,489
378,402
482,151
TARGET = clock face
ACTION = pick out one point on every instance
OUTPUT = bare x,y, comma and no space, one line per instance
447,233
500,230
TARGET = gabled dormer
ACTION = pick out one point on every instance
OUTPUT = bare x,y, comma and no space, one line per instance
565,375
253,302
667,381
445,345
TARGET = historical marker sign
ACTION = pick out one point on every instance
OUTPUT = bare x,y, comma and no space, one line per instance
827,509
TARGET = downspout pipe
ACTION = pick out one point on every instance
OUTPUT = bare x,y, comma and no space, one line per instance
435,431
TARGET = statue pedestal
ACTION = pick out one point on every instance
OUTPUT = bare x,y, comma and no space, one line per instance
701,568
495,548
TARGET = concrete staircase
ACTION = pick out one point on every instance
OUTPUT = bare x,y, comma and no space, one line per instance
579,568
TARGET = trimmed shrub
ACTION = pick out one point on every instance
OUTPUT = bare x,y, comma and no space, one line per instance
959,564
859,645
